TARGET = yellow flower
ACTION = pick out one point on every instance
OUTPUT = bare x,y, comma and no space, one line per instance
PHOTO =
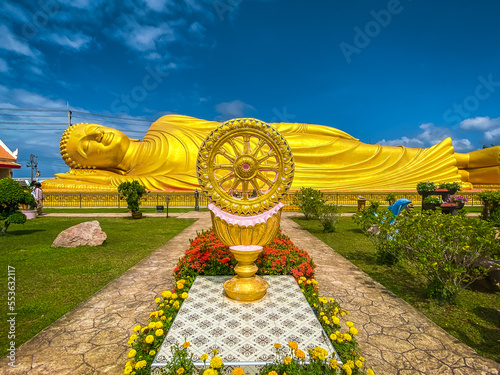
347,369
184,295
238,371
150,339
350,363
277,346
321,313
204,357
347,337
272,373
362,359
358,364
353,331
144,328
332,299
159,332
160,313
302,290
314,281
159,325
216,362
174,296
137,328
308,282
335,320
333,337
157,299
349,324
180,371
186,344
209,371
128,370
132,339
334,364
215,351
151,325
293,345
140,364
300,354
152,352
370,372
300,282
166,294
163,317
176,305
287,360
132,353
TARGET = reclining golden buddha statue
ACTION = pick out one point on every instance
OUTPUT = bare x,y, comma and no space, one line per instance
100,158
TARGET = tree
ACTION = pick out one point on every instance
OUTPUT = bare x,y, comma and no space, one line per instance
12,194
132,192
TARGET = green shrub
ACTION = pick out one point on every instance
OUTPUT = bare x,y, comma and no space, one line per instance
445,248
309,201
450,186
371,215
426,186
132,192
391,198
433,200
329,217
12,194
491,206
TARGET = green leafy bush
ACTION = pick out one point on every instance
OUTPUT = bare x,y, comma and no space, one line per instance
450,186
445,249
12,194
491,206
426,186
433,200
132,192
309,201
329,217
371,215
391,198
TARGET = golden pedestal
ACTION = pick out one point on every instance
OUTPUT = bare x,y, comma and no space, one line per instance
246,286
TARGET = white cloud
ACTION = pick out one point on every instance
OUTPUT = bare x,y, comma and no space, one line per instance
10,43
144,37
403,141
433,134
462,145
480,123
157,5
12,11
234,109
3,66
197,29
76,41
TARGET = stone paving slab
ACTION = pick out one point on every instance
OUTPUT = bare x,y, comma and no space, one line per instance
394,337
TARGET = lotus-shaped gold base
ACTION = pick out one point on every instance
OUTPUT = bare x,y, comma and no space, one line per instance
246,286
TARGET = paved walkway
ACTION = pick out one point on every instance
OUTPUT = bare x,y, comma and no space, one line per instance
394,337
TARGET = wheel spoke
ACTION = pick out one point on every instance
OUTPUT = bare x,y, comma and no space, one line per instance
267,156
264,179
224,166
255,185
246,144
270,168
258,147
234,146
226,178
223,152
244,188
235,183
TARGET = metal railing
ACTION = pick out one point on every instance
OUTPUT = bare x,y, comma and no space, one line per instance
83,200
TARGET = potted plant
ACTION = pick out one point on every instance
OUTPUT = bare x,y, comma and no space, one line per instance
426,187
458,200
430,203
132,192
452,187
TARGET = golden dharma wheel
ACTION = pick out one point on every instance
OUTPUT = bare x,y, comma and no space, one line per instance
245,166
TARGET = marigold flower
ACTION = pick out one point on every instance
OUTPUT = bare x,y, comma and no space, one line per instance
144,329
204,357
214,351
150,339
334,364
166,294
152,352
159,332
358,364
349,323
287,360
159,325
184,295
157,299
362,359
277,346
132,339
160,312
174,296
128,370
216,362
347,369
350,363
180,371
132,353
347,337
335,320
370,372
163,317
152,325
186,344
238,371
300,354
176,305
353,331
140,364
137,328
293,345
333,337
272,373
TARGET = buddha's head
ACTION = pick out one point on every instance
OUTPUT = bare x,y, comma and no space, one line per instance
90,146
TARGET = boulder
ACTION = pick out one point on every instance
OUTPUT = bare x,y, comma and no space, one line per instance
88,233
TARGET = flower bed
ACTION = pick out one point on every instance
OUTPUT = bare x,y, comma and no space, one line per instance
208,256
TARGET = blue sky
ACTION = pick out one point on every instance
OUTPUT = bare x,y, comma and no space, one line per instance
390,72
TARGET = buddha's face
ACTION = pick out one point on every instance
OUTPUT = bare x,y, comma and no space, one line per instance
97,145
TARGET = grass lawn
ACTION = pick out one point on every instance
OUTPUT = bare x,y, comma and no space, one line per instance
474,319
99,210
52,281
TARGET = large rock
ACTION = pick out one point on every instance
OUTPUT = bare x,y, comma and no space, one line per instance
87,233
